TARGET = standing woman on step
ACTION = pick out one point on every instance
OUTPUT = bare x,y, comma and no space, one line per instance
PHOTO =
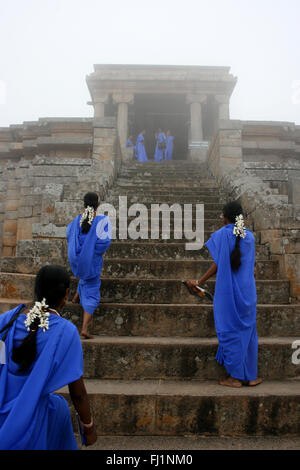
160,146
233,250
140,151
169,146
89,236
41,353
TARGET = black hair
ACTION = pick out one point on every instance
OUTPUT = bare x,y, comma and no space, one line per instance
231,210
91,200
51,283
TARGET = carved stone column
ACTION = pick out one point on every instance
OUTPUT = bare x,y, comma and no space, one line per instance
123,99
223,101
100,100
196,126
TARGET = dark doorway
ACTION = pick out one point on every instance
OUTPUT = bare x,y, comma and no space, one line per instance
150,112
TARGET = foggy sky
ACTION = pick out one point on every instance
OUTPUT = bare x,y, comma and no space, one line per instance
49,46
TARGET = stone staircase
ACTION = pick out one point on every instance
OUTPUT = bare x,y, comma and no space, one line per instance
151,368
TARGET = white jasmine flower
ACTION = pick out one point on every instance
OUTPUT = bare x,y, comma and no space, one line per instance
89,214
239,227
39,310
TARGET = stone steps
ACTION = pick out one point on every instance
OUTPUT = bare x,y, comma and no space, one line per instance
209,225
180,269
214,208
157,183
210,204
149,369
171,408
133,268
48,250
15,285
140,357
186,320
139,249
159,191
156,191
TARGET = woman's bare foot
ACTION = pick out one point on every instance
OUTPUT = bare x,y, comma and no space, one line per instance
231,382
76,299
253,383
86,335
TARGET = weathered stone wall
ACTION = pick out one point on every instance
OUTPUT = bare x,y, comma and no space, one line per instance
273,209
42,183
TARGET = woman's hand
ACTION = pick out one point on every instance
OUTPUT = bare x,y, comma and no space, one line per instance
192,285
90,436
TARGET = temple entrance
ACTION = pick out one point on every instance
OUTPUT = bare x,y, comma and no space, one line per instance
170,111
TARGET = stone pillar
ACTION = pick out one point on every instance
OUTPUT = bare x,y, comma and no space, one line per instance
123,100
223,102
99,104
196,127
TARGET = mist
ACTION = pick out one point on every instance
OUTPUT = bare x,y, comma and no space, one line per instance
49,46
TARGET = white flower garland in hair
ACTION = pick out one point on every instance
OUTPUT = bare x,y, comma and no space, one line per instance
39,310
89,214
239,227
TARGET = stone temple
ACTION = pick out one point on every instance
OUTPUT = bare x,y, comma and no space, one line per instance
150,369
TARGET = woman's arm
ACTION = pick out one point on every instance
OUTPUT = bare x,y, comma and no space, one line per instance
81,404
209,273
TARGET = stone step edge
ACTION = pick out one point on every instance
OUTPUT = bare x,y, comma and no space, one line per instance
132,279
168,341
4,300
117,387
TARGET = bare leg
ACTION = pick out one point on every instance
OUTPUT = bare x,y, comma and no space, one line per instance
231,382
86,320
76,299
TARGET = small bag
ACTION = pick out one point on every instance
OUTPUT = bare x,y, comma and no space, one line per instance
201,292
162,145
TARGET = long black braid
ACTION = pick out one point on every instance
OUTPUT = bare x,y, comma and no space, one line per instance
231,210
89,200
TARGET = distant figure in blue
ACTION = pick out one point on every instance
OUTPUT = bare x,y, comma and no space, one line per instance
41,353
89,236
140,150
130,144
169,146
160,146
233,250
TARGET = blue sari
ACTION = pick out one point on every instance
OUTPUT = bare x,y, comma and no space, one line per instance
32,417
169,148
159,153
235,304
140,151
85,252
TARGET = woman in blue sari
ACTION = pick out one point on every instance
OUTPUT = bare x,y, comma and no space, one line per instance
89,236
160,146
169,146
42,352
140,151
233,250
